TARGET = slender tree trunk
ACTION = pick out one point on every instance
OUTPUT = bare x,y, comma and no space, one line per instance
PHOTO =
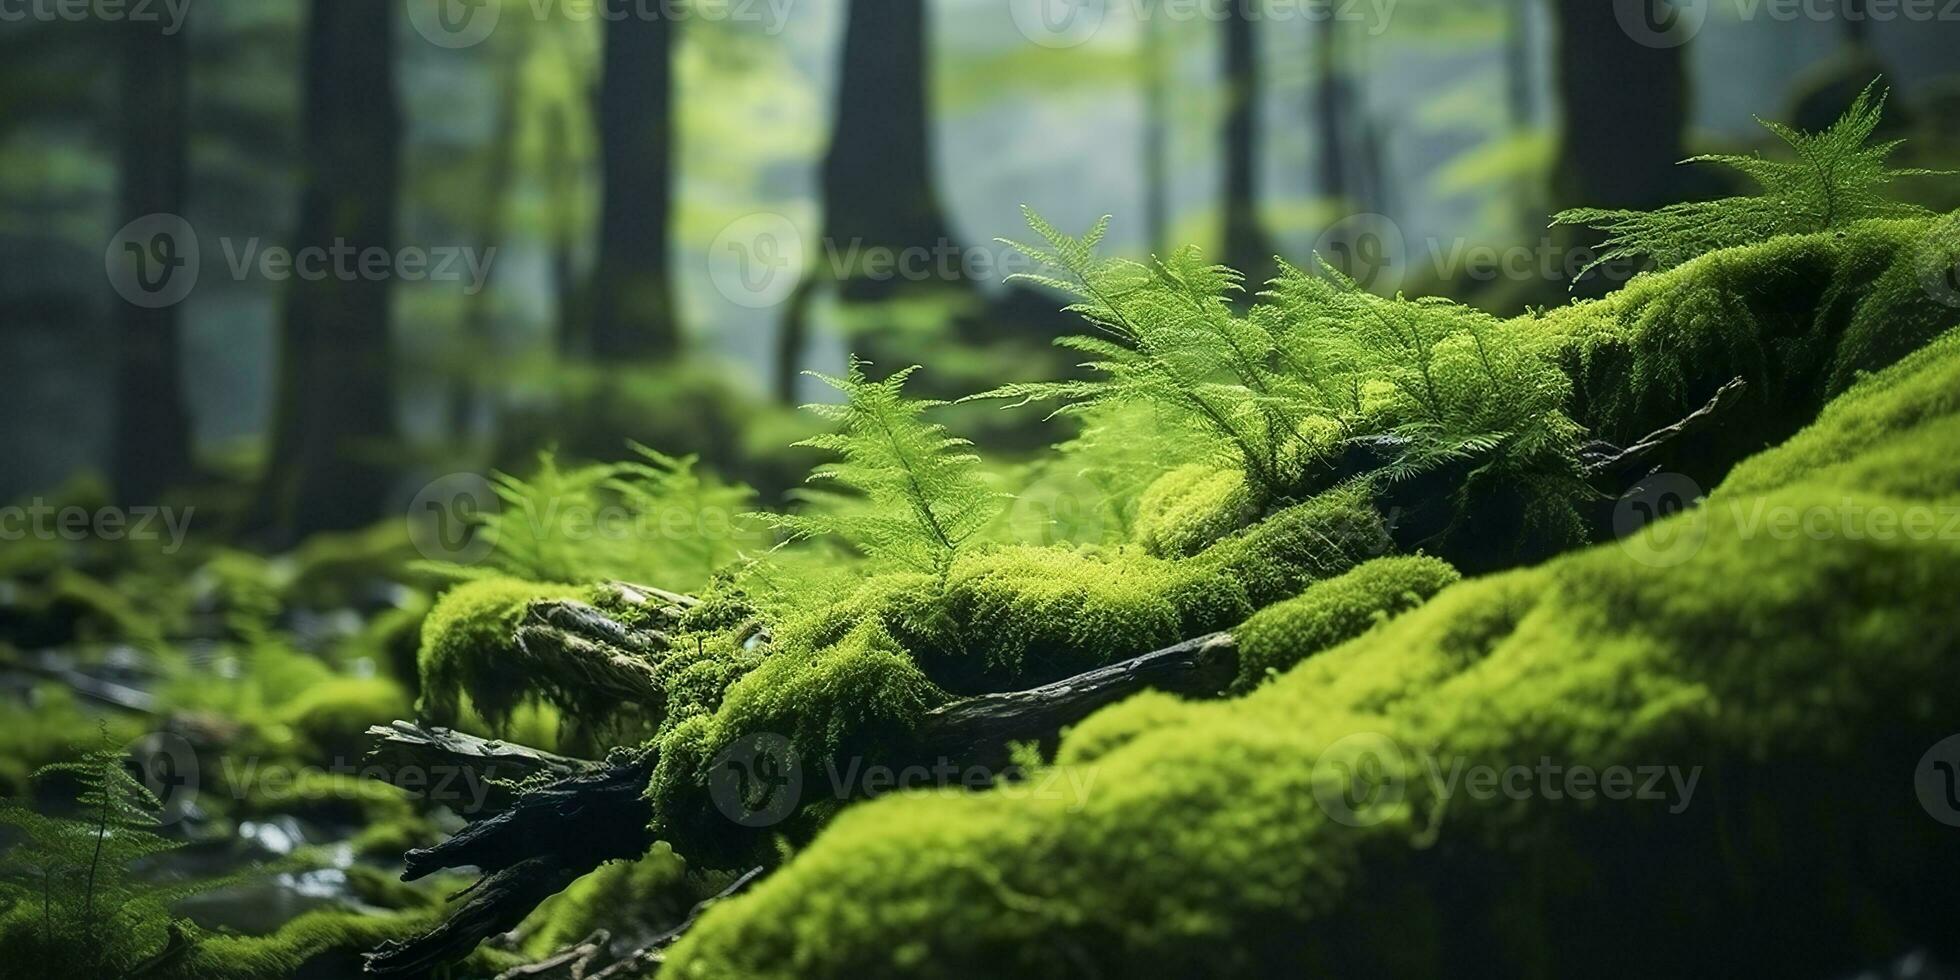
1247,247
152,432
633,314
480,313
336,410
1622,114
570,329
1520,103
1156,134
1330,112
878,192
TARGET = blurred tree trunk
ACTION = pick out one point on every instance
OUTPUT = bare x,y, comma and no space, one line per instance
152,429
632,294
335,416
1521,106
567,290
1247,247
1332,100
479,316
878,190
1623,113
1156,135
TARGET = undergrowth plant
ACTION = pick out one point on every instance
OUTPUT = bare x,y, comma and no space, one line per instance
70,898
1838,176
919,493
656,519
1319,383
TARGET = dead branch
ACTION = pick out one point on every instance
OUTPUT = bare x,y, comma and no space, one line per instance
411,755
647,960
1603,461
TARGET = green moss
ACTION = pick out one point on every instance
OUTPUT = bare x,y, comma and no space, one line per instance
1192,506
1332,612
324,943
626,898
1797,317
1796,677
331,719
465,648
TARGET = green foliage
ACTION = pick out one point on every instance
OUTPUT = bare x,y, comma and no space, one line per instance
1838,177
1320,369
70,901
656,519
923,496
1249,837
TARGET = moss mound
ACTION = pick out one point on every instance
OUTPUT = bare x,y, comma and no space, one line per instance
1332,612
465,644
1745,707
1799,317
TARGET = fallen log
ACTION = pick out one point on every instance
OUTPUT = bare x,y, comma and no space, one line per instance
551,836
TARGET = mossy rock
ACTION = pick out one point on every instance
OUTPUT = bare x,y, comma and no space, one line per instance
1310,827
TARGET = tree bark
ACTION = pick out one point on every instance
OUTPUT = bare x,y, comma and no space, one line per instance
1623,113
152,428
633,314
336,409
1247,247
878,193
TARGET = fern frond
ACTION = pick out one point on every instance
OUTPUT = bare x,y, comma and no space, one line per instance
921,491
1838,177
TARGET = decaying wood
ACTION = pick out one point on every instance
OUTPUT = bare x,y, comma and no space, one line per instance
977,731
553,835
575,960
419,758
1605,462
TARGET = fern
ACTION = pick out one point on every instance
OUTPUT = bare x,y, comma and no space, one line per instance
657,520
1319,367
1167,337
69,899
1838,177
920,494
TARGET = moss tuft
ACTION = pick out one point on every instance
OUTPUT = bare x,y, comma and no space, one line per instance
1332,612
1192,506
465,642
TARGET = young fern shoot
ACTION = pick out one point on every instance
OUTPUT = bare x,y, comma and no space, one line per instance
922,491
1838,177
